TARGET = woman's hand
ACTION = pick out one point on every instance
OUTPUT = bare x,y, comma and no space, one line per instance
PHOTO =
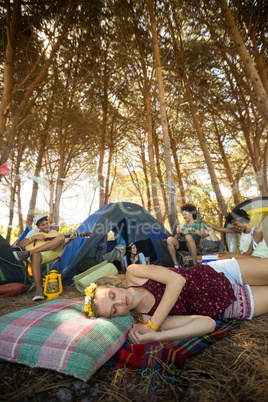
226,255
138,274
135,258
175,328
141,333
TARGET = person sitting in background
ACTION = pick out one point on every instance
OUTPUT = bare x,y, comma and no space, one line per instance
132,256
252,242
187,235
48,251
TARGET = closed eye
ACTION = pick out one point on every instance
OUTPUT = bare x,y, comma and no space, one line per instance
111,295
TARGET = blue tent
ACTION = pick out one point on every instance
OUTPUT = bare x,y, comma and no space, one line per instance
127,222
22,235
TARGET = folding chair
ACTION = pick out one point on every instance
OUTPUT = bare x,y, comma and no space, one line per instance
46,267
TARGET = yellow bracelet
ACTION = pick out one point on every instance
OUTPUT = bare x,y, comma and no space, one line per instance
31,240
152,325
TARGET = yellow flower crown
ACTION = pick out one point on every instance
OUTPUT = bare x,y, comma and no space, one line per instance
89,293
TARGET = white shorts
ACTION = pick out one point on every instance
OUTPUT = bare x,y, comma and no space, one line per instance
231,270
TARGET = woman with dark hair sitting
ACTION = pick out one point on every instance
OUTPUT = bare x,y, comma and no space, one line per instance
252,242
132,256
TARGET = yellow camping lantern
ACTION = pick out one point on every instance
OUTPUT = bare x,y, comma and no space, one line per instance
53,285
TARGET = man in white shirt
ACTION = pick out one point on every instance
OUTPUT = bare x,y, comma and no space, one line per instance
47,251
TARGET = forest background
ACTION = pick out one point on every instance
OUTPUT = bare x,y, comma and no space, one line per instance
154,102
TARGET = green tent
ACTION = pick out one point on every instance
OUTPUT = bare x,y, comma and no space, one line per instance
11,270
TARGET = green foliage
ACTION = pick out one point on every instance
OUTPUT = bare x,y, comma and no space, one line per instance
14,235
86,119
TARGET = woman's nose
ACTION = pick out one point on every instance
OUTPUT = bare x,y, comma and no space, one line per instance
120,301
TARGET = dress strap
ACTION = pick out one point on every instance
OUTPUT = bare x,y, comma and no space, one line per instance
253,241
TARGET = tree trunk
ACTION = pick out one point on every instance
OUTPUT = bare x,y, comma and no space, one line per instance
233,184
107,182
41,151
246,59
134,181
11,29
159,174
251,24
204,147
178,170
100,170
20,216
147,101
172,209
62,167
11,210
254,148
51,202
260,63
157,210
92,201
265,166
103,131
34,84
255,155
148,186
58,196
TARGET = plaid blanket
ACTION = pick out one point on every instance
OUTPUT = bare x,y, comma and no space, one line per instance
166,355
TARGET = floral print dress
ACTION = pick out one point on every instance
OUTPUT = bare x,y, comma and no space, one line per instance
205,292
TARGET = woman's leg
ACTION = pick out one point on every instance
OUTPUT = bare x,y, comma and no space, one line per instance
260,296
227,255
254,272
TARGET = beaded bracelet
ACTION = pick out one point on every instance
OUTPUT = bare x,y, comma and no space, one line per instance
152,325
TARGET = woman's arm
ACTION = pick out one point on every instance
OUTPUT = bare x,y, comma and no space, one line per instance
122,261
142,259
257,236
176,328
139,274
218,228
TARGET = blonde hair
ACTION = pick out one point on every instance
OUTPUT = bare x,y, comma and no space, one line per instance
95,308
137,316
94,303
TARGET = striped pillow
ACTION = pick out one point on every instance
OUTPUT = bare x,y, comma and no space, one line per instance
58,336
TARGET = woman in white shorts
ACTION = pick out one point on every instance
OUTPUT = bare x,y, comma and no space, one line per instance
178,303
243,307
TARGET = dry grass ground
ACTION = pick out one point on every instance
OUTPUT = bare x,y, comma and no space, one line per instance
233,369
